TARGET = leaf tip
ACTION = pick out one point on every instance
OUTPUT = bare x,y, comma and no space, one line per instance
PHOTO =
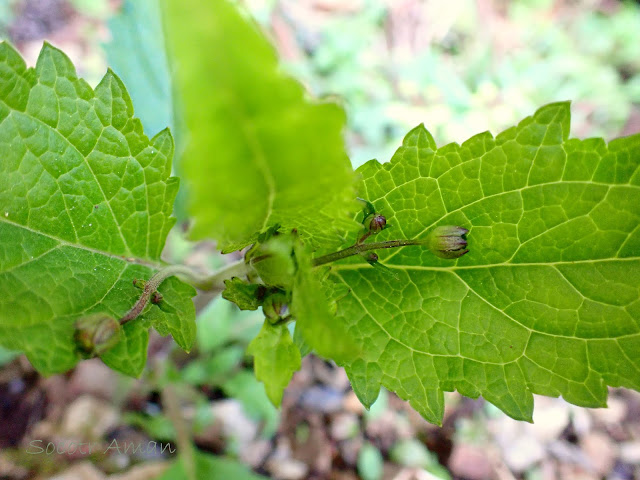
419,137
48,51
163,141
111,76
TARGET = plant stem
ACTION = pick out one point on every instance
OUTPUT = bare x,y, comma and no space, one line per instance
202,282
183,438
215,281
363,247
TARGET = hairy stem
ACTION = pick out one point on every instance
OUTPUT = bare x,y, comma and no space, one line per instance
363,247
202,282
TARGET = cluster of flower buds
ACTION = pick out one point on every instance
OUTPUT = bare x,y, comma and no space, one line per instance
448,241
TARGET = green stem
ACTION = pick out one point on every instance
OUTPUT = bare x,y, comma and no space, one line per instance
215,281
202,282
363,247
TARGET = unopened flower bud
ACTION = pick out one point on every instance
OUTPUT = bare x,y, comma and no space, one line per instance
448,241
375,223
275,307
97,333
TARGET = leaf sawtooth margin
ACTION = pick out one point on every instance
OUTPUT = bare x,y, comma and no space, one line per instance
86,200
546,302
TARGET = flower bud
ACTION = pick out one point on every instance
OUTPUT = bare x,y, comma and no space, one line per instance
375,223
96,333
276,307
156,298
448,241
372,257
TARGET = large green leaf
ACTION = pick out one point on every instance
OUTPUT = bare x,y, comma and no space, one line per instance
547,300
85,204
259,152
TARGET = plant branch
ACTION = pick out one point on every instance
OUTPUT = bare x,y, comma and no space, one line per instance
214,281
363,247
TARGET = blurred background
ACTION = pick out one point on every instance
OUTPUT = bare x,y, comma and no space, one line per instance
460,67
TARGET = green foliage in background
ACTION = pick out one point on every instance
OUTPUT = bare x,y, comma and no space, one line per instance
462,71
133,53
210,468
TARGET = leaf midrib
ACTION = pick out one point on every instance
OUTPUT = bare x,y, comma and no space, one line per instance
65,243
518,190
259,158
357,266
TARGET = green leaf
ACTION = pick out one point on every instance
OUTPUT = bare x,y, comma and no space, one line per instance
244,387
299,341
85,204
276,359
547,300
244,294
215,369
209,467
7,355
221,323
158,427
370,462
259,153
274,260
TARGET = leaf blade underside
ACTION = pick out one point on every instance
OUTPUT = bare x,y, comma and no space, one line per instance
547,301
85,200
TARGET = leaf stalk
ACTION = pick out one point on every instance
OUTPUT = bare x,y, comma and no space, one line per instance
211,282
359,248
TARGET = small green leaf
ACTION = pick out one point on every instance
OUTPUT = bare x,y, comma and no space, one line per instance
547,301
251,393
370,462
209,467
259,153
245,295
276,358
85,205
